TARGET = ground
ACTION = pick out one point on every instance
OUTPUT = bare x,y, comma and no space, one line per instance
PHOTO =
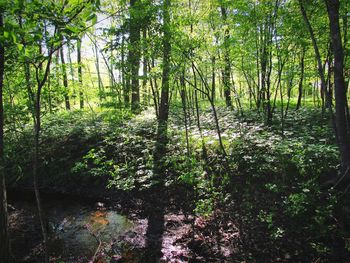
266,201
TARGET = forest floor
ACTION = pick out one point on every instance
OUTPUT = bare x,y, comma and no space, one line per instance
263,202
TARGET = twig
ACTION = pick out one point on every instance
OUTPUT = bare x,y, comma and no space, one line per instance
97,239
97,250
342,177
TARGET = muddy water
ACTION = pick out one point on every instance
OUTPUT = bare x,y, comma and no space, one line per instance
78,230
75,228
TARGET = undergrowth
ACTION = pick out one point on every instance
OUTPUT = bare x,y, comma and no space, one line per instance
274,180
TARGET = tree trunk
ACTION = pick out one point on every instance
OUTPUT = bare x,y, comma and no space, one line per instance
146,95
227,67
39,71
97,63
207,92
126,75
65,79
339,83
317,53
80,74
5,252
134,54
301,80
71,70
184,109
37,127
164,100
213,86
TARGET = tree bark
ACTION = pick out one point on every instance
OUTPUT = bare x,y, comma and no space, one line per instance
146,95
65,79
301,80
184,109
37,129
80,74
317,53
126,75
163,116
99,78
339,83
164,101
5,251
134,54
227,66
213,79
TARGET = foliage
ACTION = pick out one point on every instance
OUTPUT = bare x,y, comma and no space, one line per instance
251,133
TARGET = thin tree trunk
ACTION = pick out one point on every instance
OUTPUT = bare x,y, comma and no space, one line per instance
289,87
282,115
196,102
237,97
155,81
126,74
5,251
146,96
154,90
71,70
184,109
301,80
97,63
112,79
317,52
207,93
65,79
227,67
271,33
134,54
80,74
339,83
164,100
37,128
213,86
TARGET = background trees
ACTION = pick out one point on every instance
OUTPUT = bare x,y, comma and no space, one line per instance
273,56
257,50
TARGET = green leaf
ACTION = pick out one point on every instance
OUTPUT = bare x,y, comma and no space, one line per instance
20,46
72,29
92,18
14,37
26,52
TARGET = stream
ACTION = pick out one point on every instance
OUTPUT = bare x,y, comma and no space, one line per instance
81,230
75,227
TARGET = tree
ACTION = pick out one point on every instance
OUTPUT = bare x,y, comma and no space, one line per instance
164,100
301,80
317,54
341,106
134,53
5,251
80,73
226,74
45,40
65,79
